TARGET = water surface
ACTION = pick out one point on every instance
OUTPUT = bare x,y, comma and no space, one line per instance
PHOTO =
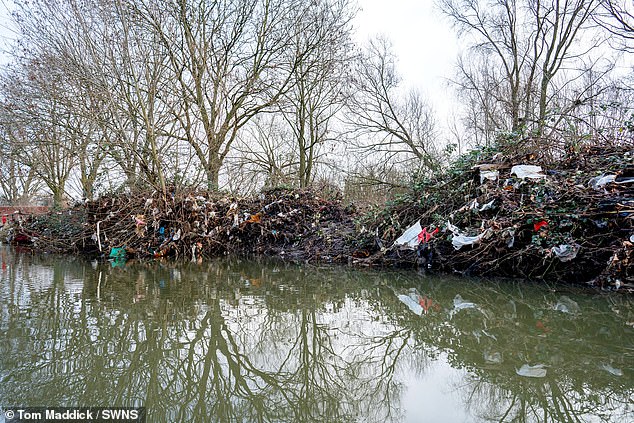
246,341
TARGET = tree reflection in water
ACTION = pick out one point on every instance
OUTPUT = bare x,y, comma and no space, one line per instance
233,341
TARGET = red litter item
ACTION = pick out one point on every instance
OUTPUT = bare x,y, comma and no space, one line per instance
537,226
425,236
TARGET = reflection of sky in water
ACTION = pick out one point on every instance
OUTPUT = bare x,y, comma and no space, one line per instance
301,344
433,396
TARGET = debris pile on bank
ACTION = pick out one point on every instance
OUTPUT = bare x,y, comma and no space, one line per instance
298,225
504,216
489,214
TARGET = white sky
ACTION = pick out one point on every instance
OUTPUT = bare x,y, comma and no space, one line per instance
423,41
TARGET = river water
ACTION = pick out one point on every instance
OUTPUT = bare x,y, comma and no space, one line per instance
248,341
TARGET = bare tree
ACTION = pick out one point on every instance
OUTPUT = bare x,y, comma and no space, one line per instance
531,43
231,60
18,181
319,84
33,120
401,129
164,91
265,152
617,16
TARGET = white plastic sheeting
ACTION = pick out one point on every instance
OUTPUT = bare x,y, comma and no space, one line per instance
409,238
599,182
567,305
527,171
459,240
613,370
414,306
489,175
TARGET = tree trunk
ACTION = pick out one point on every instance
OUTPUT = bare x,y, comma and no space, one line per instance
213,172
58,198
543,93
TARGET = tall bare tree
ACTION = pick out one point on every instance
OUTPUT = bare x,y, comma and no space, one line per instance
18,181
232,60
526,46
164,90
320,84
399,127
34,119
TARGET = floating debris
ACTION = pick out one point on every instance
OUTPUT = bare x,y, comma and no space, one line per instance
566,305
537,371
612,370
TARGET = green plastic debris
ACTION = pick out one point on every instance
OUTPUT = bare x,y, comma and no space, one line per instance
117,253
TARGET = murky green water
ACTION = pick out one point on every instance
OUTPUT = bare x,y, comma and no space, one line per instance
238,341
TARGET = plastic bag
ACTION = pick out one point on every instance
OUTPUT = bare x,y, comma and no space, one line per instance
487,206
566,305
565,252
414,235
410,236
493,357
488,175
460,241
599,182
612,370
460,304
527,171
117,253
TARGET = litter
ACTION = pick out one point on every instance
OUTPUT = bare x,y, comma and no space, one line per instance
117,253
527,171
509,235
460,304
566,252
425,236
537,226
599,182
487,206
139,221
478,334
538,370
612,370
460,241
488,175
410,236
566,305
414,235
493,357
624,180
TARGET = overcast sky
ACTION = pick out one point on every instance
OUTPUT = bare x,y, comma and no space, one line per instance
423,41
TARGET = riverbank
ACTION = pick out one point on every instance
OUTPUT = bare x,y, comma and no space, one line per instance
490,214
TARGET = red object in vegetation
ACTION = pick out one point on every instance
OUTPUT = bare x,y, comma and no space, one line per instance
425,236
537,226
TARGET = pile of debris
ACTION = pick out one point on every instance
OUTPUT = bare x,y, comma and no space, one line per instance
489,214
299,225
496,216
